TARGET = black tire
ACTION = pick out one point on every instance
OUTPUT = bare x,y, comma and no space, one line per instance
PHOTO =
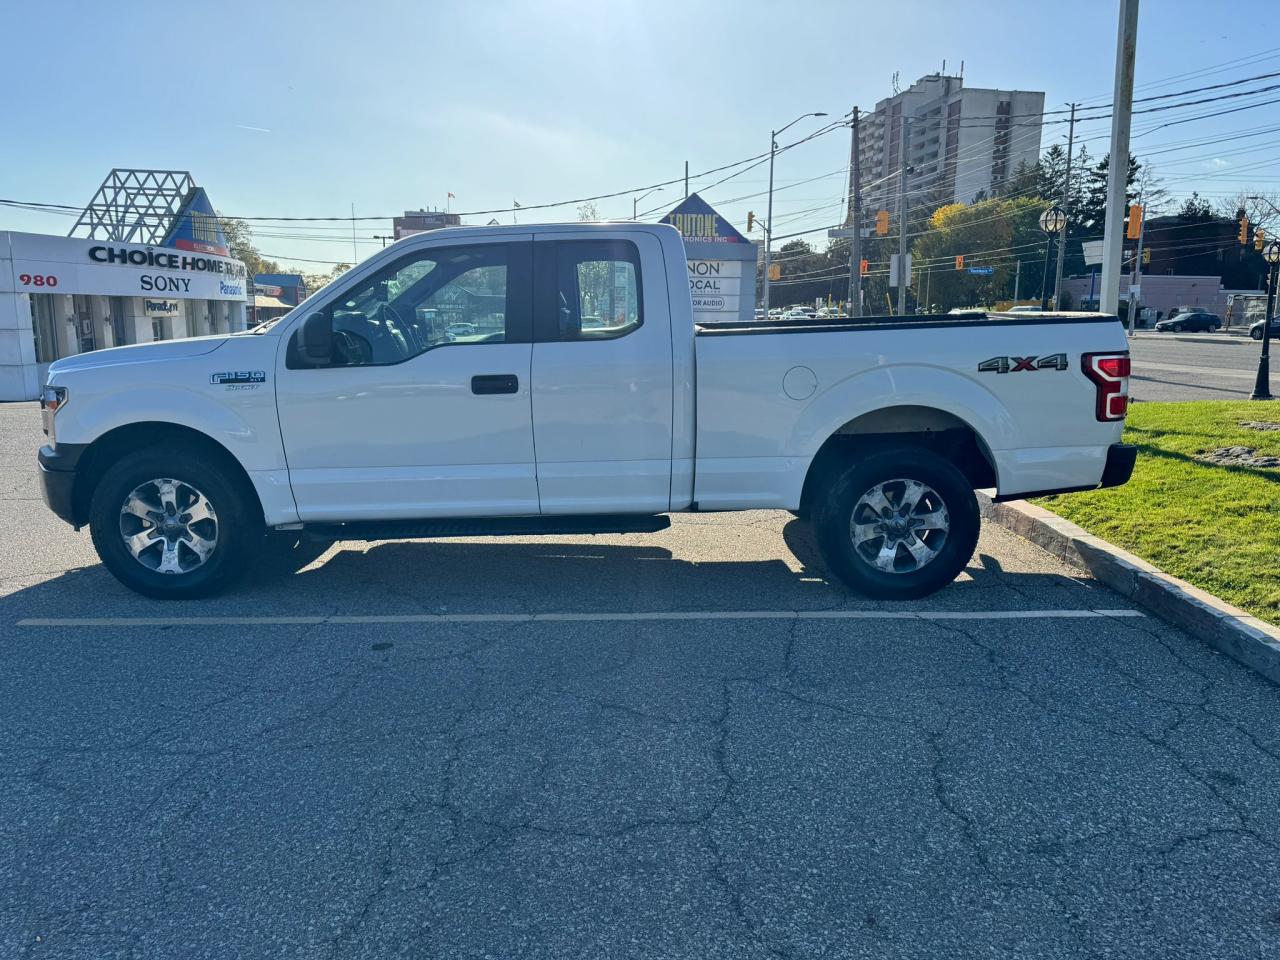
239,528
1177,328
835,505
1213,328
1256,334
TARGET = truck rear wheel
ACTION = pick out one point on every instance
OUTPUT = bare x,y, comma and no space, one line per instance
172,523
897,524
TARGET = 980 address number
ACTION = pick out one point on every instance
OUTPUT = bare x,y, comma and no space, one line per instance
37,279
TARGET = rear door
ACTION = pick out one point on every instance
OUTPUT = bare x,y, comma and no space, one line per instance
601,374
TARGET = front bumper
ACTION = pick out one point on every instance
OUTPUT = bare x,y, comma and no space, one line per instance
58,472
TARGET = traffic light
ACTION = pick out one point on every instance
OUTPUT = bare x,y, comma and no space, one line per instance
1244,230
775,272
882,223
960,262
1259,239
751,220
1135,221
863,268
1146,257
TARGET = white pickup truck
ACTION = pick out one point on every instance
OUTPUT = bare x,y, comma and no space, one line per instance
550,379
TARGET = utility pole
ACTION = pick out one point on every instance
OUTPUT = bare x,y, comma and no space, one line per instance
1135,277
1066,208
855,221
686,179
1017,279
383,238
1118,175
768,236
355,256
902,214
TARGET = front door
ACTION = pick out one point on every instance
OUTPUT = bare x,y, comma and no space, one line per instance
602,380
424,410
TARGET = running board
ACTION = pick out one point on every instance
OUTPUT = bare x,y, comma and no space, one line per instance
488,527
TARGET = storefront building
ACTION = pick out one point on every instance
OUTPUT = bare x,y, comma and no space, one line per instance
61,296
275,294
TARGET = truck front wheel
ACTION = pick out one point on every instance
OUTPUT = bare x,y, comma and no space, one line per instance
172,523
898,523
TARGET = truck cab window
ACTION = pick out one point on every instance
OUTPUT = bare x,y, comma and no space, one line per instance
598,289
434,298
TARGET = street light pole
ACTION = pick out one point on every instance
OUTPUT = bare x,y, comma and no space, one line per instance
1262,385
1052,221
768,237
635,201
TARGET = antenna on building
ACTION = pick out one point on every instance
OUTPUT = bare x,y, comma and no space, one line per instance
896,89
962,69
944,68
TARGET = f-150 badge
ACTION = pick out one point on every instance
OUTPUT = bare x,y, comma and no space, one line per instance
229,377
1054,361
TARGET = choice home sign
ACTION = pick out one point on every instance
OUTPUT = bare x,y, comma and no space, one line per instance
77,265
714,286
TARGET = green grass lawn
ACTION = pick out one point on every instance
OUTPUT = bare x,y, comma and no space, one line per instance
1216,527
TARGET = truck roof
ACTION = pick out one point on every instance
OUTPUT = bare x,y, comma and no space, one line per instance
613,226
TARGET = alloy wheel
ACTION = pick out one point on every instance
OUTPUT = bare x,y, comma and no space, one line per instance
168,526
899,526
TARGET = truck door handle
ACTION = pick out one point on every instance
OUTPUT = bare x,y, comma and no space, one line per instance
495,383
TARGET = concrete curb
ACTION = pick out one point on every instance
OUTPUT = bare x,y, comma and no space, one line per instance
1229,629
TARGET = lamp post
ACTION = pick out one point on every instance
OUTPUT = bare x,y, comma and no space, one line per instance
768,237
635,201
1051,221
1262,386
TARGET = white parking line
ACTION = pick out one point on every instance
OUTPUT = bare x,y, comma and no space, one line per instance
359,619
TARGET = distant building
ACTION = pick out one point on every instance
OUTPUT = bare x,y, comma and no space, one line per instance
1175,246
275,294
963,143
420,221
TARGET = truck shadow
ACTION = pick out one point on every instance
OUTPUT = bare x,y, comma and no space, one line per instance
438,576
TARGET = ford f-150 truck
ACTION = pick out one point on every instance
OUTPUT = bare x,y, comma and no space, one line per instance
551,379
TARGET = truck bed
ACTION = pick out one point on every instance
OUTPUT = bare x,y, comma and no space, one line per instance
768,400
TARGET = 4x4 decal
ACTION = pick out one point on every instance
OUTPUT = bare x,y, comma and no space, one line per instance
1054,361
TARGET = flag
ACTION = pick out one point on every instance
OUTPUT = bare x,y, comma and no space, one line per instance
452,197
516,204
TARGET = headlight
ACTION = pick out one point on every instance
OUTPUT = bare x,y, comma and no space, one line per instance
52,399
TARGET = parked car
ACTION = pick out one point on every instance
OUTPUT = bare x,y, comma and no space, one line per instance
461,329
1196,321
343,420
1025,308
1255,329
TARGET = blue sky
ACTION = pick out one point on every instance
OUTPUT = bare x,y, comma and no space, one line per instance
286,109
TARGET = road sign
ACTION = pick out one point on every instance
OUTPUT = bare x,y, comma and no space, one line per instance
838,233
982,271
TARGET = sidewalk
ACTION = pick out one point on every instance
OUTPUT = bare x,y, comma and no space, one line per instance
1234,335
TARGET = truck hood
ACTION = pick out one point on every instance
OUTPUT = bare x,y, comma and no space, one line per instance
140,353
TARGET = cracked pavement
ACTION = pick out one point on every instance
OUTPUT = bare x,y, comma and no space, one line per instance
786,788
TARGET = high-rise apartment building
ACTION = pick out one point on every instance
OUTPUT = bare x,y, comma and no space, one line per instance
962,143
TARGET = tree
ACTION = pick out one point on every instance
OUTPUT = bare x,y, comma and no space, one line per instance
1260,211
240,243
588,213
1140,180
983,233
1195,208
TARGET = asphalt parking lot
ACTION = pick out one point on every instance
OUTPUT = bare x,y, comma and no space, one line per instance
688,744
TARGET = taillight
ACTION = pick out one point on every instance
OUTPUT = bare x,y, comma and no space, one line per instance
1110,374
